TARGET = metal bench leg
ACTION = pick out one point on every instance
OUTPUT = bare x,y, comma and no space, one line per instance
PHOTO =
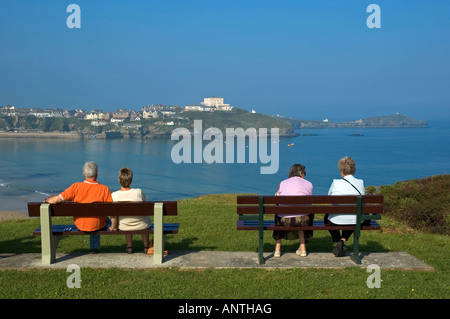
261,232
357,233
49,242
355,256
158,236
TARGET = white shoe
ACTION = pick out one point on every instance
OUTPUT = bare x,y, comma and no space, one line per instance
277,253
301,253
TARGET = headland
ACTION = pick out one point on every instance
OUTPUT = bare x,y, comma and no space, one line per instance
158,122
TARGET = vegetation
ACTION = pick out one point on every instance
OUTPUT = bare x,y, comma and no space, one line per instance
423,204
238,118
209,223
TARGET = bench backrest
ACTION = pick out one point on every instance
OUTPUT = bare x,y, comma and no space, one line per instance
105,209
315,204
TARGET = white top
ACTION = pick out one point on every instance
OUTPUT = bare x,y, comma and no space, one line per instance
341,187
131,222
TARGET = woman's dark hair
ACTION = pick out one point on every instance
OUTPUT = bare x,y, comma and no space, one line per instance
125,177
297,170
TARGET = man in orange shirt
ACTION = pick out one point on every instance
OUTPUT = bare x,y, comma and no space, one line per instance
89,191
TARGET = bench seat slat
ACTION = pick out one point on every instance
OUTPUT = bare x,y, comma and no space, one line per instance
169,228
317,225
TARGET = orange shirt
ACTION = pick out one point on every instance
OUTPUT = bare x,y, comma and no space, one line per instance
88,192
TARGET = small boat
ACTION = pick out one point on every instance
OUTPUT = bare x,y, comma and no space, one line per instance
292,144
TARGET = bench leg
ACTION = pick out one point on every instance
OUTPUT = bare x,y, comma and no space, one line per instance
49,242
355,256
261,231
357,233
158,236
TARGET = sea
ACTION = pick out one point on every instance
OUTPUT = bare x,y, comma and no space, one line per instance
33,169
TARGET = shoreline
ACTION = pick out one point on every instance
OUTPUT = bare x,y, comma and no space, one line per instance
110,135
52,135
9,215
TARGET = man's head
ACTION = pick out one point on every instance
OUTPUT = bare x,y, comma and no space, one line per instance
90,170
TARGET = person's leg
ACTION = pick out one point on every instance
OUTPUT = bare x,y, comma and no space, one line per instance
346,234
277,235
94,243
340,249
335,234
129,239
302,248
146,241
277,248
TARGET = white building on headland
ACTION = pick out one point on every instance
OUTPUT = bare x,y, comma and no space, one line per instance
216,103
209,104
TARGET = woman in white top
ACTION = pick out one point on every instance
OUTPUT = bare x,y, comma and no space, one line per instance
348,185
127,194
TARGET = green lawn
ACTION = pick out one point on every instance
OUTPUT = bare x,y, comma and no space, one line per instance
209,223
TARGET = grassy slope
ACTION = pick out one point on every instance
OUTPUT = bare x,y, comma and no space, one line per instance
237,119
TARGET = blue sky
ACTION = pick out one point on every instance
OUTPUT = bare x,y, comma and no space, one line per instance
305,59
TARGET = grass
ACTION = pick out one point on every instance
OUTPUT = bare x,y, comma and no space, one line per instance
209,223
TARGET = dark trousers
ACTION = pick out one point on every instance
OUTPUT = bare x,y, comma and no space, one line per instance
336,234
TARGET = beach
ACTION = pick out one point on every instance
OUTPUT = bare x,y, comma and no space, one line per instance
8,215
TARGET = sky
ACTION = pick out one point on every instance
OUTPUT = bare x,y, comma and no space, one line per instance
302,59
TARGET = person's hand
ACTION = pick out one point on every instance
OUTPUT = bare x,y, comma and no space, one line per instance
56,199
113,228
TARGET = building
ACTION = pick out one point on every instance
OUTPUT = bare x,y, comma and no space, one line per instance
196,107
216,103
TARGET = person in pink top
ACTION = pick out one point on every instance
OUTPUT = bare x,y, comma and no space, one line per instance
296,185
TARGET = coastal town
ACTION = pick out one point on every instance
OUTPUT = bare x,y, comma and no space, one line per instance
159,120
150,120
99,118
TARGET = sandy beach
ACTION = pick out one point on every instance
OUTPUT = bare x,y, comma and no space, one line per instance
7,215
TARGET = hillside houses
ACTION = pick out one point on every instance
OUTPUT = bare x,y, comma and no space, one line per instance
100,118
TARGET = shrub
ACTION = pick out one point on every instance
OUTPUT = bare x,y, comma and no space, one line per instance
423,204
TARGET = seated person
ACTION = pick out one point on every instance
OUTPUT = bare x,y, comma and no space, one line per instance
126,194
296,184
88,191
348,185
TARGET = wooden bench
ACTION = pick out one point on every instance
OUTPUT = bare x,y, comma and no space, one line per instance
252,209
51,234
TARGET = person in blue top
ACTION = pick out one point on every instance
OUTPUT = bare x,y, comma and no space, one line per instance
348,185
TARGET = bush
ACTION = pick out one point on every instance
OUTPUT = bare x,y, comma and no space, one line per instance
423,204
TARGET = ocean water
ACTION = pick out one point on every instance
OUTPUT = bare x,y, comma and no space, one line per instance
33,169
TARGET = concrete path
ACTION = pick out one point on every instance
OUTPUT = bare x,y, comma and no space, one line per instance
214,260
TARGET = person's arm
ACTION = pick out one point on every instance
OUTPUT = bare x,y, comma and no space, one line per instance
67,195
331,190
277,193
56,199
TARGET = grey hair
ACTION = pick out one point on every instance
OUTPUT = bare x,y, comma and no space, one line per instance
90,169
347,166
